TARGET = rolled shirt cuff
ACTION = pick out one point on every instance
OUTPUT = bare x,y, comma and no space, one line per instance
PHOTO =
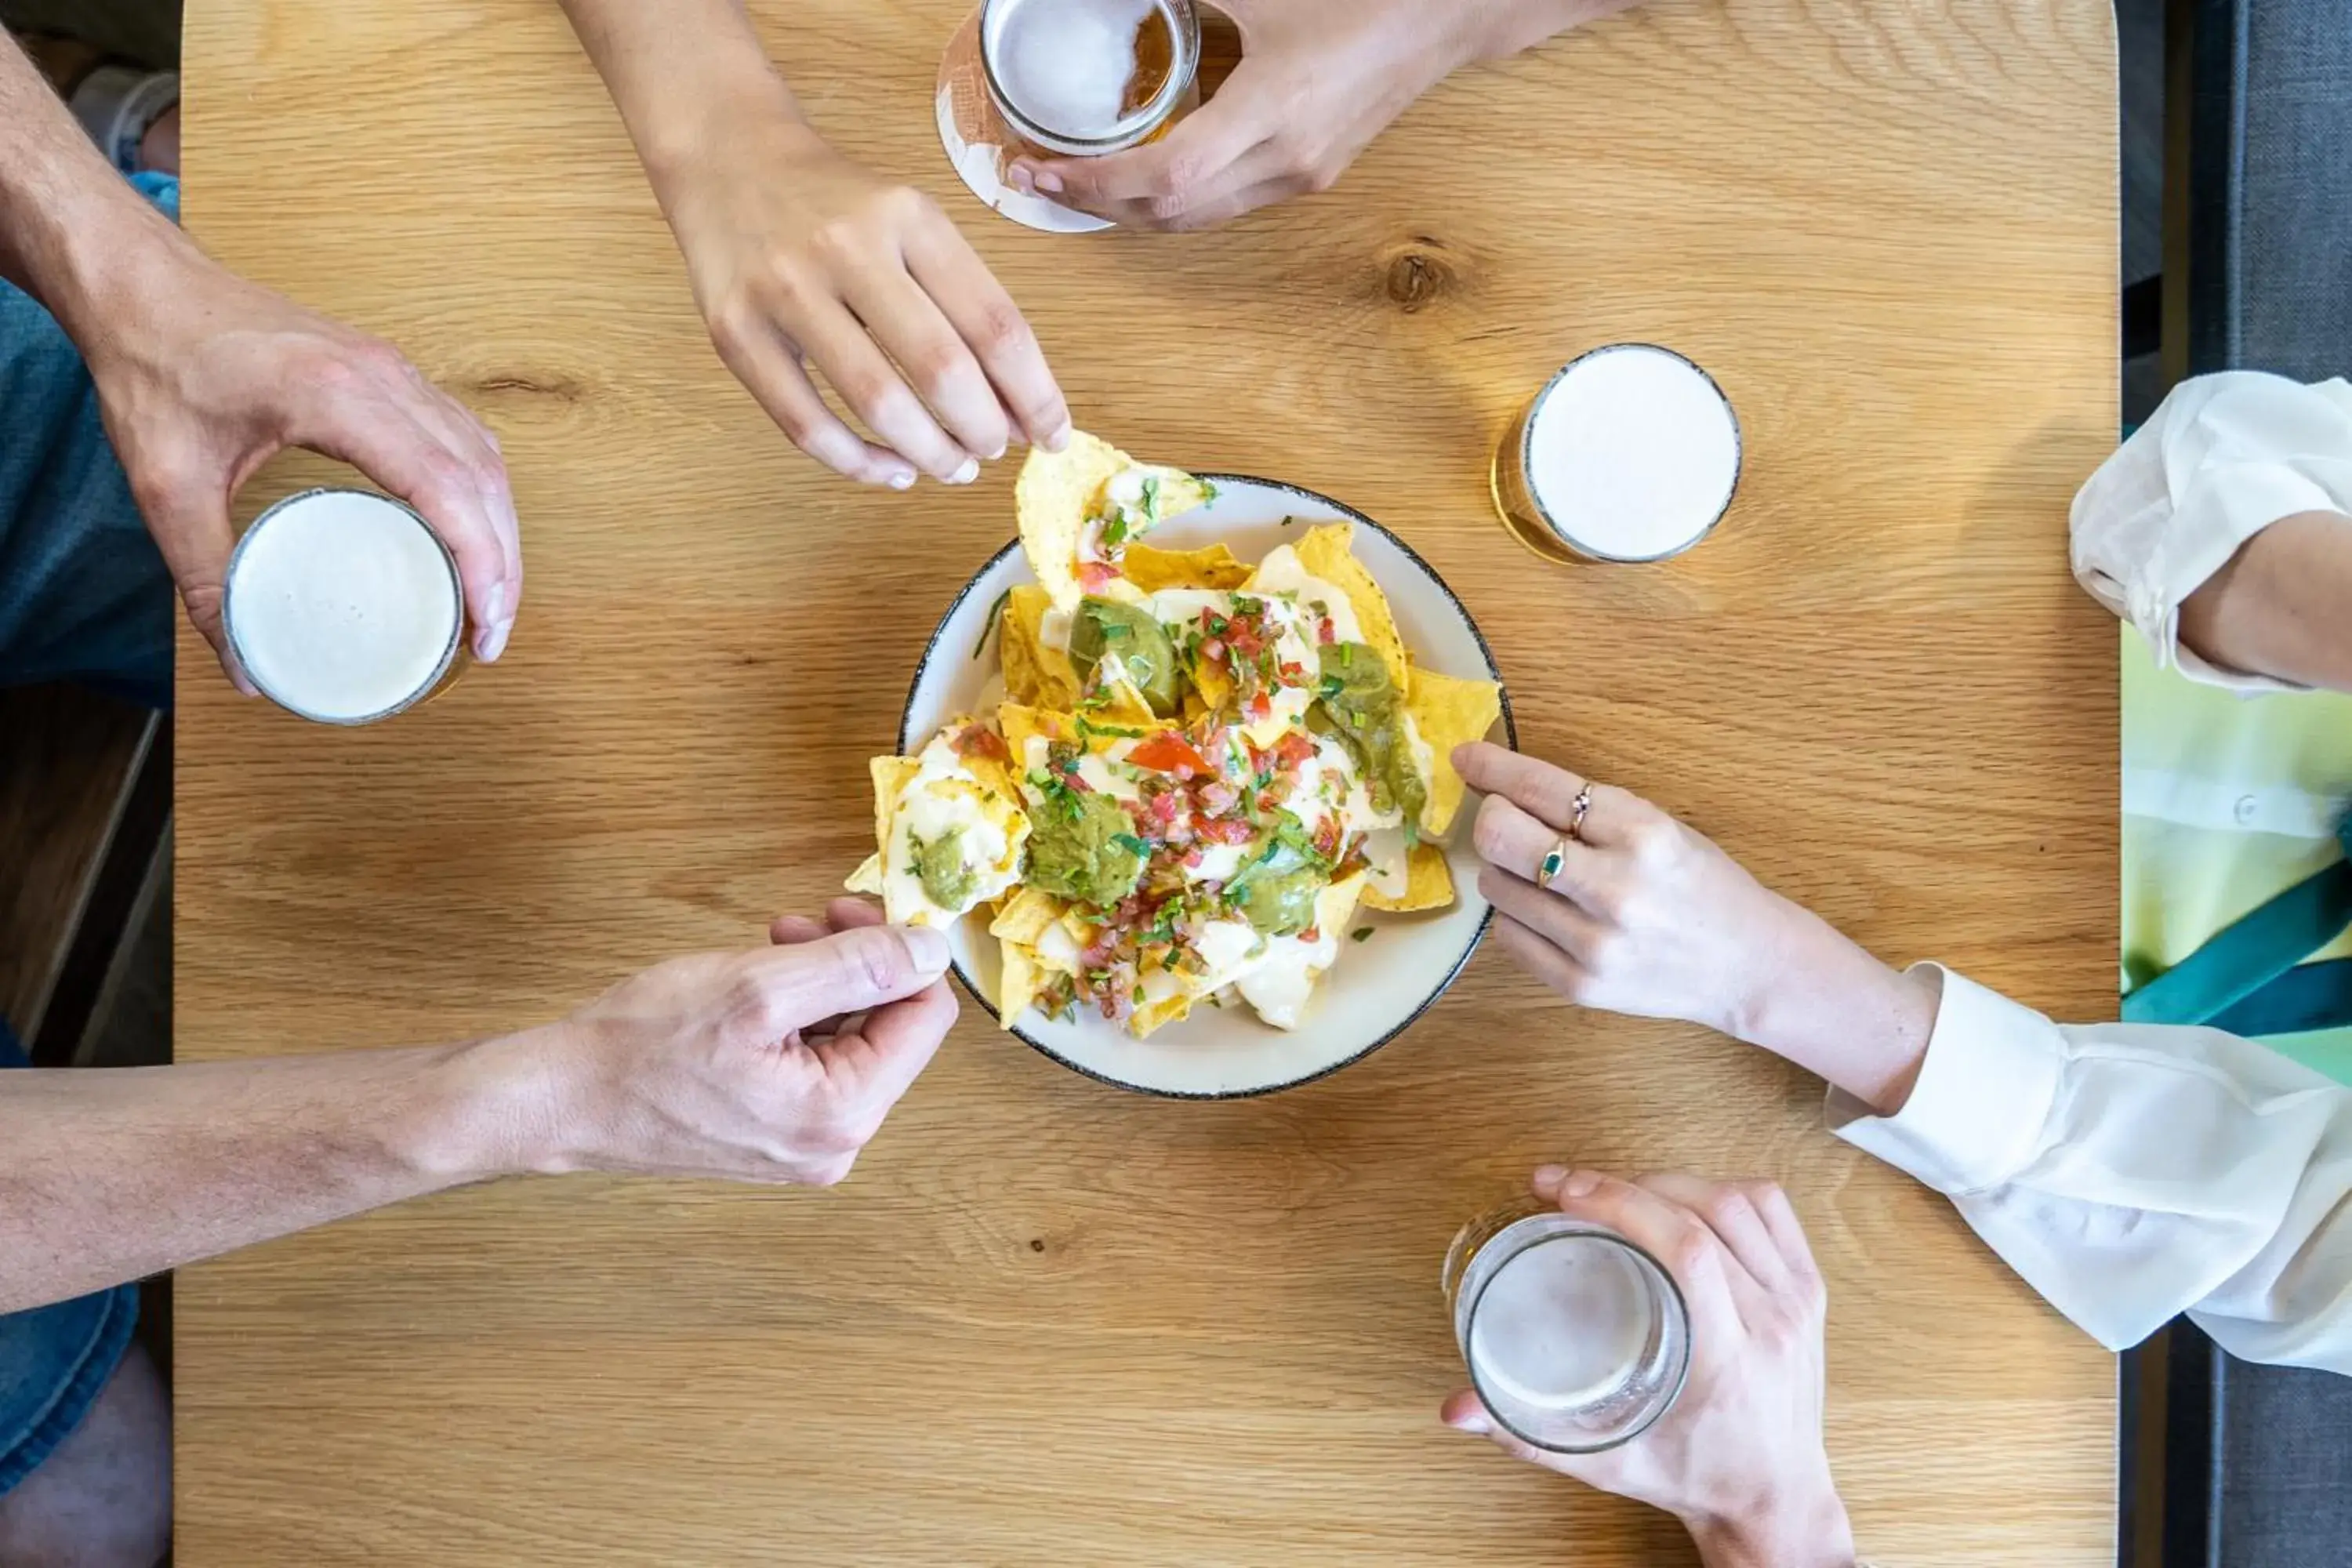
1977,1115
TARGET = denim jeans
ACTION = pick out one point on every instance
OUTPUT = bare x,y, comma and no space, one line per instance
83,592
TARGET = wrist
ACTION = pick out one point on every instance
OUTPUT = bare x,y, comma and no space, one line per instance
498,1107
1821,1001
735,98
1808,1530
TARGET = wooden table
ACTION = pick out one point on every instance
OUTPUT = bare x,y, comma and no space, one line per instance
1047,1322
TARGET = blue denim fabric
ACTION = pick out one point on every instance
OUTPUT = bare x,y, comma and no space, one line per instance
83,592
55,1360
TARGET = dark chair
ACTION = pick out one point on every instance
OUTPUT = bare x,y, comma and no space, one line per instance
2250,1466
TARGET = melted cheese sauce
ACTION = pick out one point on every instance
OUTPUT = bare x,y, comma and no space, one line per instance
930,807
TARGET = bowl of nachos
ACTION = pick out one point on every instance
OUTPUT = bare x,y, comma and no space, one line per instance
1174,777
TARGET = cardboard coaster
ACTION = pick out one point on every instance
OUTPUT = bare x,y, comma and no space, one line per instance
979,142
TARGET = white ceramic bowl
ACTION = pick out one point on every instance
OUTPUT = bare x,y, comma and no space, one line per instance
1378,987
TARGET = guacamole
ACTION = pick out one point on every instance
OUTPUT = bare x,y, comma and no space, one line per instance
939,866
1359,703
1083,848
1105,628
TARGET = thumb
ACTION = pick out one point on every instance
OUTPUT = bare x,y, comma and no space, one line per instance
848,972
1192,166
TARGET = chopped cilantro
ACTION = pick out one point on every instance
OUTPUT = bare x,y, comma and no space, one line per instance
1360,934
995,618
1112,631
1130,842
1150,499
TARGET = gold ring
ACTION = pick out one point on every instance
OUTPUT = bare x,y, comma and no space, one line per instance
1552,862
1576,819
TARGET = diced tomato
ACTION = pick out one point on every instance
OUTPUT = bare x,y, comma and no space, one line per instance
1310,934
1292,749
1225,830
1213,650
1194,857
980,740
1260,706
1170,753
1163,808
1094,576
1326,633
1216,798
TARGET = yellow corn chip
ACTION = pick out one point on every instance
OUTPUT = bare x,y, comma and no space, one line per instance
1059,492
1126,707
1213,683
1024,917
1035,674
1019,722
1214,566
891,776
1329,553
1018,985
867,877
1448,712
1429,883
1153,1014
1337,901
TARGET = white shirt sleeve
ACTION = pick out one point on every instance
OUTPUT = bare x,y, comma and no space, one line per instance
2222,458
2131,1172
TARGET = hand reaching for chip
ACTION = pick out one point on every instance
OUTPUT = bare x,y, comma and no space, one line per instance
1317,80
803,259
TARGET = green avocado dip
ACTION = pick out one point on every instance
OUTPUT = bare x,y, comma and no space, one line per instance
1105,628
1277,887
1083,848
939,866
1361,704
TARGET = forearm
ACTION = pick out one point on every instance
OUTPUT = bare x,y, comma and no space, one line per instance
70,226
2281,607
678,72
1825,1003
108,1176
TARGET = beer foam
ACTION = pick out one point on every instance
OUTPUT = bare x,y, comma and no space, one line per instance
1563,1325
1632,454
1066,64
342,606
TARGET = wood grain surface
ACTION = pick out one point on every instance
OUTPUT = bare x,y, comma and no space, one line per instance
1047,1322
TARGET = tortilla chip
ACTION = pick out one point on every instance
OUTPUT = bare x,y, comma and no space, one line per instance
1019,722
1337,901
1429,883
1058,490
1213,683
867,877
1329,553
1125,706
891,778
1023,917
1018,985
1153,1014
1035,674
1448,712
1214,566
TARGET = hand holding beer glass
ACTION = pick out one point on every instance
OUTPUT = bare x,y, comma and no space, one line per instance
1739,1455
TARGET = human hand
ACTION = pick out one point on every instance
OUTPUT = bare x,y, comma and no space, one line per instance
203,377
799,256
775,1066
1317,81
1739,1457
1648,916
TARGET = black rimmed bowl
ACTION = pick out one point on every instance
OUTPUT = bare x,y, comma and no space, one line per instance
1378,987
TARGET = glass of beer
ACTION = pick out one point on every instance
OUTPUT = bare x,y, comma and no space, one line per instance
1062,78
343,607
1576,1338
1630,453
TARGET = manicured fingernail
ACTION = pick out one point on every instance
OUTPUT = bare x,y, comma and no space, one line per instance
900,478
1547,1180
493,641
1473,1421
928,948
1017,177
1048,181
1582,1185
999,452
965,475
1059,439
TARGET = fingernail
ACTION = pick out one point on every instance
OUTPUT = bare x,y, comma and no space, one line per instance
1048,181
965,475
928,948
1060,438
998,453
492,642
900,478
1017,177
1473,1421
1547,1180
1582,1185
